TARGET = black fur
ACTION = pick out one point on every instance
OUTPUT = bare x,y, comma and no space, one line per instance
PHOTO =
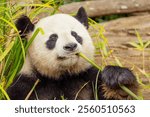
82,17
48,88
77,37
21,87
24,25
115,75
70,85
50,44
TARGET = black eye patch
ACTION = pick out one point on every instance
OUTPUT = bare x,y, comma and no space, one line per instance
50,44
77,37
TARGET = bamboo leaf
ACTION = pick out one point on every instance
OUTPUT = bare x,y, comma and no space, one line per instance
139,38
38,5
147,44
14,27
4,92
118,62
6,51
135,45
104,48
33,37
10,24
13,74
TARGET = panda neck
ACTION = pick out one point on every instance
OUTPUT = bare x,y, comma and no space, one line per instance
64,76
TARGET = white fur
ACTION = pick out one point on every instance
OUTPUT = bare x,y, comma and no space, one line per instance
27,67
45,60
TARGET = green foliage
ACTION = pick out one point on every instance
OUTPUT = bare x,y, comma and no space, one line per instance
123,87
12,48
141,45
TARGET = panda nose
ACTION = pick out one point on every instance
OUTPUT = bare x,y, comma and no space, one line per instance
70,47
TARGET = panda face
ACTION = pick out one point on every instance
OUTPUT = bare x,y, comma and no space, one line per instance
56,51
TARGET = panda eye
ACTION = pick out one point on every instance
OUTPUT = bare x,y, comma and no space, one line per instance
53,37
73,33
50,44
76,36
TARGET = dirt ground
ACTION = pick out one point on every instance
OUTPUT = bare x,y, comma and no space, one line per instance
122,31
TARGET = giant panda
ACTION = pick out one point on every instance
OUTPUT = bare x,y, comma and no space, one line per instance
53,59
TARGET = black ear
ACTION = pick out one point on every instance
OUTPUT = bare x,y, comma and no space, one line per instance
82,17
24,25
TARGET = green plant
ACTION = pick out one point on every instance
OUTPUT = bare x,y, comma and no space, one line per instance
123,87
12,48
141,46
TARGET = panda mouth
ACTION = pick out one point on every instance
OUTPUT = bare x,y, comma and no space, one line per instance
73,55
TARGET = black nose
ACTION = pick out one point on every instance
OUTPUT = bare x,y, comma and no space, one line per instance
70,47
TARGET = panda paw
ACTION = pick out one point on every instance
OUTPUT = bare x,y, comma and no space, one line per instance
112,77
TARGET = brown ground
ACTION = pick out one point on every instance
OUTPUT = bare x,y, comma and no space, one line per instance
121,31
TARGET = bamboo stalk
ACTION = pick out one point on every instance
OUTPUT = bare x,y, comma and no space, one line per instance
122,86
29,94
129,92
4,92
90,61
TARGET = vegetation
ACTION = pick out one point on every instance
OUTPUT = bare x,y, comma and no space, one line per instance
13,49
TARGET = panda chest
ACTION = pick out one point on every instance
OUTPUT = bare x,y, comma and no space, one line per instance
69,88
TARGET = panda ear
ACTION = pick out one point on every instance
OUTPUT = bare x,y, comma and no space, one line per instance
24,25
82,17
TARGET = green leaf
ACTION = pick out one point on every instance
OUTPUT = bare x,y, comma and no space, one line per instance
6,51
33,37
38,5
139,38
147,44
118,62
14,27
104,49
135,45
10,24
4,92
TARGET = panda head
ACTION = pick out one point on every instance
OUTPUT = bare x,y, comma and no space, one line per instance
55,52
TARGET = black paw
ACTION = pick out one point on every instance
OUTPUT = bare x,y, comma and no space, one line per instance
113,76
